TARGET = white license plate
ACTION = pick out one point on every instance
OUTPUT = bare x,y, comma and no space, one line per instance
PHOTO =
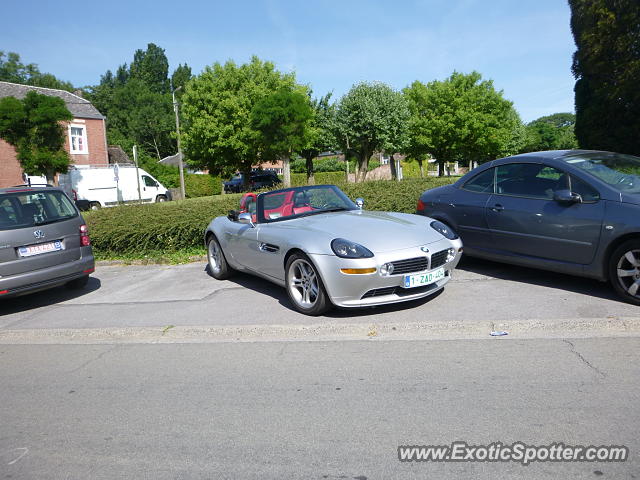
421,279
31,250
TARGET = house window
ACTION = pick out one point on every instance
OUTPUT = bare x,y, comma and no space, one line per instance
78,138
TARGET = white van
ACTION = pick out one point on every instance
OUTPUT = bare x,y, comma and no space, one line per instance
110,185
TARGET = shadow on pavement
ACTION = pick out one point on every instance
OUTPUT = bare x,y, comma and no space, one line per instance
272,290
532,276
46,298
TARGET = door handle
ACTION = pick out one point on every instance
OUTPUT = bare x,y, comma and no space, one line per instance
497,208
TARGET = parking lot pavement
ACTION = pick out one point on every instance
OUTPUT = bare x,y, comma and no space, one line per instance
185,295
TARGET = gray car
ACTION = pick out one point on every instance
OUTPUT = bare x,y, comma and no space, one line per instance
326,251
44,241
570,211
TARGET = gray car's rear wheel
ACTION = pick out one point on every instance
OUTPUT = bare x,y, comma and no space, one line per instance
218,266
304,286
624,271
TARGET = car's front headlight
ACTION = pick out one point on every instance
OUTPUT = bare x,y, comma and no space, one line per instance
347,249
444,230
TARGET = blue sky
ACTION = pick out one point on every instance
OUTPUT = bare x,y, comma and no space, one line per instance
524,46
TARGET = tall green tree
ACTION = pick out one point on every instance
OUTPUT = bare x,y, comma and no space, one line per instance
180,76
462,118
137,103
368,119
283,122
320,137
13,70
217,105
606,66
551,132
151,67
33,127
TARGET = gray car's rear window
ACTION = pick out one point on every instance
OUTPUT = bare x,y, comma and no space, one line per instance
22,209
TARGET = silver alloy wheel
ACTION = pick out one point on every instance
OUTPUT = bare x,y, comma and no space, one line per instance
628,271
214,255
303,283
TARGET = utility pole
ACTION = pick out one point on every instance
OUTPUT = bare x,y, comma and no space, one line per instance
180,166
135,160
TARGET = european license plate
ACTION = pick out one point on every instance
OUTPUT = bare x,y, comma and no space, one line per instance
421,279
31,250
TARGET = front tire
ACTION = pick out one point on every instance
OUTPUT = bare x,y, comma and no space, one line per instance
624,271
304,286
161,198
218,266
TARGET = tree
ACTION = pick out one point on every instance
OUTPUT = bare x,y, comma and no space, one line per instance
462,118
606,66
142,115
320,136
552,132
13,70
33,127
217,107
180,76
283,121
137,103
151,67
368,119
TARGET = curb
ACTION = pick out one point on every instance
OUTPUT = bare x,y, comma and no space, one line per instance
566,328
149,261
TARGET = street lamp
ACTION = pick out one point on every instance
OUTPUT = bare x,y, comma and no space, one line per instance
180,166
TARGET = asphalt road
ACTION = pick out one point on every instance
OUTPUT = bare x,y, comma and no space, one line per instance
312,410
481,293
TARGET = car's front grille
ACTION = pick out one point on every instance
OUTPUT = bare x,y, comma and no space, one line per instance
438,259
410,265
399,291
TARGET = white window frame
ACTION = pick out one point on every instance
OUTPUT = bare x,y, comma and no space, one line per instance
83,137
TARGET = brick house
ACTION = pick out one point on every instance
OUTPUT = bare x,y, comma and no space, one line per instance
86,135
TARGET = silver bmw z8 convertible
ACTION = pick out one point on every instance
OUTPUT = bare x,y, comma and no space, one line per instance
327,251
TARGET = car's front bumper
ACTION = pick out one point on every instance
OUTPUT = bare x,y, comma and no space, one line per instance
362,290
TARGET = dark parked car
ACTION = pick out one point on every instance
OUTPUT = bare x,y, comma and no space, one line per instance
570,211
258,180
44,241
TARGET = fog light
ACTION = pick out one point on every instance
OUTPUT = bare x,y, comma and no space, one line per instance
451,254
386,269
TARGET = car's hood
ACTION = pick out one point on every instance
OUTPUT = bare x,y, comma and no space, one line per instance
377,231
631,198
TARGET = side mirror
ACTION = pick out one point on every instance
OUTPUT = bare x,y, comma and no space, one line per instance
245,218
567,196
360,202
233,215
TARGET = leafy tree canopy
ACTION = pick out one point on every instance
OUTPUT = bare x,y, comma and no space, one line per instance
552,132
370,117
151,67
32,125
217,105
606,66
13,70
462,118
321,135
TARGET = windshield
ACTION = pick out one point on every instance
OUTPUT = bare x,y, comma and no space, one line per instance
619,171
31,208
301,201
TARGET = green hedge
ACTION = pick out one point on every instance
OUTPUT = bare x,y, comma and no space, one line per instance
173,226
201,185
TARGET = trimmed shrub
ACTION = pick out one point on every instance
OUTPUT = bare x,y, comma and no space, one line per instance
201,185
173,226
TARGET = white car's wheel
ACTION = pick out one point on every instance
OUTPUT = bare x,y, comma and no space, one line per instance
304,286
218,266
